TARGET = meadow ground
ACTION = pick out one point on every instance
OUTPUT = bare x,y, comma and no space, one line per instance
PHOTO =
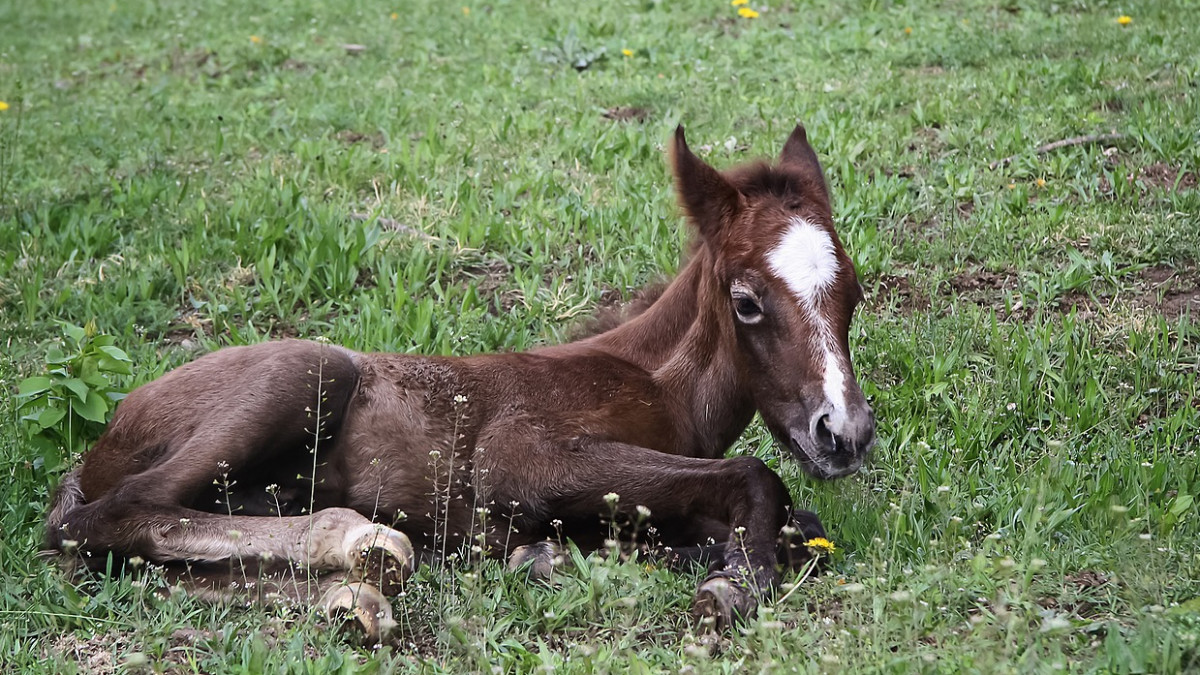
450,178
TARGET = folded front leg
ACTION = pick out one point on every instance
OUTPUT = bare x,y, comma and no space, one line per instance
738,502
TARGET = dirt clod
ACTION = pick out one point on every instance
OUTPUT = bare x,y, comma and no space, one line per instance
626,114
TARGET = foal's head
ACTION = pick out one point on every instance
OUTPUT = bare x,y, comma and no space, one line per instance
789,291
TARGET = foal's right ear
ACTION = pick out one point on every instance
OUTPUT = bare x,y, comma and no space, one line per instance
707,198
799,153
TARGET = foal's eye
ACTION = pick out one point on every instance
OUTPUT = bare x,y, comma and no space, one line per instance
748,309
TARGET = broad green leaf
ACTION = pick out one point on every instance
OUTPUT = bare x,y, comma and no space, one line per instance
55,356
33,385
936,389
49,453
1181,504
116,353
76,333
93,409
77,387
111,365
50,416
96,380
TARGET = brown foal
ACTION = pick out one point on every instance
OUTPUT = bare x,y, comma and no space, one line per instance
327,449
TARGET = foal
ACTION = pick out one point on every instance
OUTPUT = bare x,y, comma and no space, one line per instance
329,449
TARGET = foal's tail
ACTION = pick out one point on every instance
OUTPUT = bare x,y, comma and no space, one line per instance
67,498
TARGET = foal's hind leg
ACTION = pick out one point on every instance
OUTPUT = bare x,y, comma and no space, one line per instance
337,594
257,407
329,539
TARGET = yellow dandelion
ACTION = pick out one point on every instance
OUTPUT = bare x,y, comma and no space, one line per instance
466,11
1124,19
627,52
3,106
819,545
1041,182
1012,186
739,3
395,16
255,39
908,30
747,13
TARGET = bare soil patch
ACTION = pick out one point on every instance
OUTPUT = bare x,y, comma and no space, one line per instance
1169,291
95,654
626,114
352,137
1109,105
1156,176
1166,177
1085,579
927,141
492,280
983,284
898,291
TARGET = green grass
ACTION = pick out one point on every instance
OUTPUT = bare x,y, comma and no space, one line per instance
1030,503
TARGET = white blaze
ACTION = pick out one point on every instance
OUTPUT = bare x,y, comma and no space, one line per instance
806,260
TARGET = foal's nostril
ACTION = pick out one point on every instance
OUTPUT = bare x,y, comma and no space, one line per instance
824,434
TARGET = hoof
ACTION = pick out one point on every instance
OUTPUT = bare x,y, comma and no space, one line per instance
804,525
360,605
808,524
541,558
721,601
381,556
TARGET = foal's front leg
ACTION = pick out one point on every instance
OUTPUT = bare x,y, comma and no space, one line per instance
739,502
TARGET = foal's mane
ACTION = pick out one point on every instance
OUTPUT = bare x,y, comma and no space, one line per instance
792,183
610,316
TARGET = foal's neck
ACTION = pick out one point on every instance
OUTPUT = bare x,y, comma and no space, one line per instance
686,340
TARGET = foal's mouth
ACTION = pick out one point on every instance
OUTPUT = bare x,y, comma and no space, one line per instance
838,462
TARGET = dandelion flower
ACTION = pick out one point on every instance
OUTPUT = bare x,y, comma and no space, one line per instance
820,545
747,13
1124,19
466,11
255,39
908,30
627,52
739,3
395,16
1041,182
3,106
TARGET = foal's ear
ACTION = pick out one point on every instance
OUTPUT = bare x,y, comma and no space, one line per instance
709,200
799,154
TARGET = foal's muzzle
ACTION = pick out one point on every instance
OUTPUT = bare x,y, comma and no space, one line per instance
835,444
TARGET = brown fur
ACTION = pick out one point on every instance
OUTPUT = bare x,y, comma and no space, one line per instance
229,455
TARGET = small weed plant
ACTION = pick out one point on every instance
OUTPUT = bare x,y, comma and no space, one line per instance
66,407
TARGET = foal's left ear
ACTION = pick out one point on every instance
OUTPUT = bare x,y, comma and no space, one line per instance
709,200
798,153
